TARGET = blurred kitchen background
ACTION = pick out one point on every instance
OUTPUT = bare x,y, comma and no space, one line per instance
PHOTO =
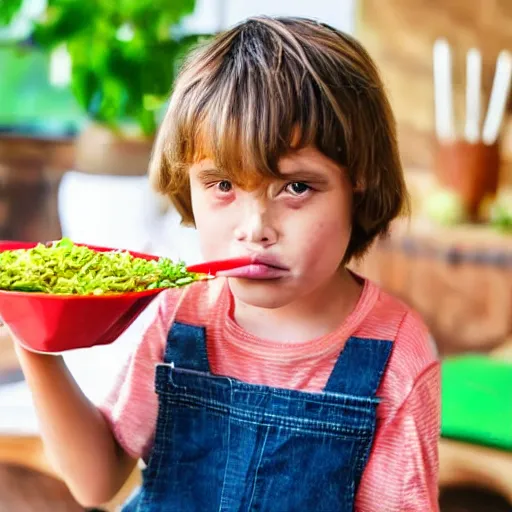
82,89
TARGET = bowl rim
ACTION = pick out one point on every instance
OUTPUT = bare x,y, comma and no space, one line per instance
9,245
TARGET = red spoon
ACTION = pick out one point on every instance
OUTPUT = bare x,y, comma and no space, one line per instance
212,267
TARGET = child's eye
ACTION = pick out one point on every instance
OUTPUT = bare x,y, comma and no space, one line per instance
224,186
297,188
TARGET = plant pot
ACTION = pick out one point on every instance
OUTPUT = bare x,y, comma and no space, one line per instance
471,170
101,151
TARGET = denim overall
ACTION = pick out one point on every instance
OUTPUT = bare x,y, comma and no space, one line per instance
225,445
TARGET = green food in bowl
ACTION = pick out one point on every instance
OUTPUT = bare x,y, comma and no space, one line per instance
67,269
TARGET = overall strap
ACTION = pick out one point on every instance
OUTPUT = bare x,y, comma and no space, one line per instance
186,347
186,340
360,366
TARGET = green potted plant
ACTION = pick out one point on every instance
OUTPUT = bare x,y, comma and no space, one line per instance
124,58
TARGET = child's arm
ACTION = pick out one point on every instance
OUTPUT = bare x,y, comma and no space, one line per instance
402,472
78,441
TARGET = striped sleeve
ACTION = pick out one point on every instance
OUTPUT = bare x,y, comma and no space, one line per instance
402,472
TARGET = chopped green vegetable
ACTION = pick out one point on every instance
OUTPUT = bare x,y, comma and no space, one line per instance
68,269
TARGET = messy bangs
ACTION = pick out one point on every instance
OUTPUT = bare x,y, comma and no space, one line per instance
251,101
252,112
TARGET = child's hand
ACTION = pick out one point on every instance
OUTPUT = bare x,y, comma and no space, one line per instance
8,357
6,336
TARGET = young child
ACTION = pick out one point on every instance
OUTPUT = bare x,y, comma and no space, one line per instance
293,383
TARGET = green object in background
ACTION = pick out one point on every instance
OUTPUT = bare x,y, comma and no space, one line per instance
476,400
501,212
445,207
124,55
26,95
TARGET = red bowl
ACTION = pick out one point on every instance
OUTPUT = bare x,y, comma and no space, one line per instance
55,323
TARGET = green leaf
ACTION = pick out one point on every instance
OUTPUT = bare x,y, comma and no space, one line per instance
63,23
125,53
150,102
84,84
8,10
147,121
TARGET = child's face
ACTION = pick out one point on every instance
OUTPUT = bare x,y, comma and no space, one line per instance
300,225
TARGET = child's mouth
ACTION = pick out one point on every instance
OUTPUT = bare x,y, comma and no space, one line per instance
260,268
255,271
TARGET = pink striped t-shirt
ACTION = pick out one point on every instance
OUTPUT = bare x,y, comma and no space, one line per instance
401,475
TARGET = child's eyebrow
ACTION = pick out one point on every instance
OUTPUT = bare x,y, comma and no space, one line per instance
211,174
305,175
309,176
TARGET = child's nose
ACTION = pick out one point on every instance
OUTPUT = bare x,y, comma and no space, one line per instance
256,227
